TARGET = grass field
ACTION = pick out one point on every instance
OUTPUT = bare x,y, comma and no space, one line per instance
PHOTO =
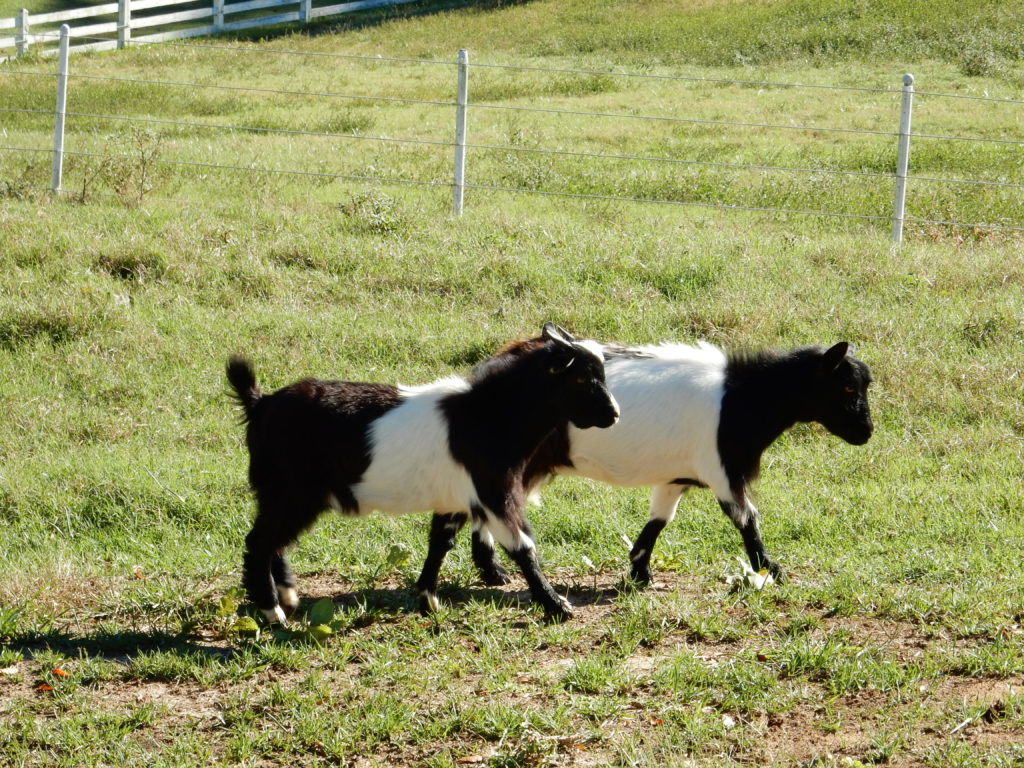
898,637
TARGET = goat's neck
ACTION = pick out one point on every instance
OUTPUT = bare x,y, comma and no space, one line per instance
760,403
517,422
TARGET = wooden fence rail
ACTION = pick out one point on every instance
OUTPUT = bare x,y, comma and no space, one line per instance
113,25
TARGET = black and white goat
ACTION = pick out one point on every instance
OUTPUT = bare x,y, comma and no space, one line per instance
694,417
456,447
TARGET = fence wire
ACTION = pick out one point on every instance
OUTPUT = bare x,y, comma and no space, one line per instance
482,147
519,190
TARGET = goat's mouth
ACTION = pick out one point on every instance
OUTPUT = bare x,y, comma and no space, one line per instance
602,421
860,435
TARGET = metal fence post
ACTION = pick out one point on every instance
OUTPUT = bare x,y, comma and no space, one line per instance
124,23
62,99
218,14
460,132
21,42
902,159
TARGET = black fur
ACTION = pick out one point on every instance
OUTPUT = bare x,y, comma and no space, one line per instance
766,393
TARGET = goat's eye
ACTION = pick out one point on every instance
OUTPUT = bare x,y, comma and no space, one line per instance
581,380
849,390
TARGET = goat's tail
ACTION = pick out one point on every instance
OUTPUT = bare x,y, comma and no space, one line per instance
242,378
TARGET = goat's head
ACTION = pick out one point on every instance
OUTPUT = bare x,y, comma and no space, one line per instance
577,379
840,395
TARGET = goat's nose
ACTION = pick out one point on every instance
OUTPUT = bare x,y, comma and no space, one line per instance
616,411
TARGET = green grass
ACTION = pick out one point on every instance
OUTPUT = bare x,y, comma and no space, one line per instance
123,497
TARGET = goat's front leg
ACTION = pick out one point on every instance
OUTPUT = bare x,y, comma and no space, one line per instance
516,541
443,529
284,580
485,558
664,499
744,516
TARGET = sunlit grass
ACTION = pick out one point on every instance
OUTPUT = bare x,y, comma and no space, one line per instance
123,497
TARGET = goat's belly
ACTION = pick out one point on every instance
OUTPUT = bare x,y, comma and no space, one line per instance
646,447
629,470
421,491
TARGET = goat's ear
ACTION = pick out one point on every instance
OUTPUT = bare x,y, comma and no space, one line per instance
565,334
552,332
834,356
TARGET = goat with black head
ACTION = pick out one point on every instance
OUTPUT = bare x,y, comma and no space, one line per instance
693,416
457,447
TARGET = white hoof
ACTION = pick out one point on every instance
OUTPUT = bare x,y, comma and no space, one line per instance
274,615
288,597
431,601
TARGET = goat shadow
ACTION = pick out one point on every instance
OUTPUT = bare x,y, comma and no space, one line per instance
372,605
373,601
120,646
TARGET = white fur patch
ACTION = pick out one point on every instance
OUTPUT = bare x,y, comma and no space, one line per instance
670,404
412,469
511,542
274,615
664,500
433,603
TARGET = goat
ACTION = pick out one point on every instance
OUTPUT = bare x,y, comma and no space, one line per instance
454,446
694,417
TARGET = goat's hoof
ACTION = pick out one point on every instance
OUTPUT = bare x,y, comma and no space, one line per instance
274,615
288,598
776,571
558,611
641,577
498,577
428,603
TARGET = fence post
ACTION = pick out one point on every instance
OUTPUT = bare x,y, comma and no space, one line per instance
902,159
218,14
460,131
305,11
62,99
21,41
124,23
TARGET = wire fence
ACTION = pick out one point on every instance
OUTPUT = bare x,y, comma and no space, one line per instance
584,185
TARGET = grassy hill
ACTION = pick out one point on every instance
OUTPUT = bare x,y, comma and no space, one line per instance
179,241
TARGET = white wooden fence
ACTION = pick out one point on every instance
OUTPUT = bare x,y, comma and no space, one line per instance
115,25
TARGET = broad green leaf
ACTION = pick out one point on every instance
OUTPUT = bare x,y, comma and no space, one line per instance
245,625
322,611
320,632
227,606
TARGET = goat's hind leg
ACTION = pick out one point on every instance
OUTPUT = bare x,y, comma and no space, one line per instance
268,580
443,530
257,577
284,580
744,516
